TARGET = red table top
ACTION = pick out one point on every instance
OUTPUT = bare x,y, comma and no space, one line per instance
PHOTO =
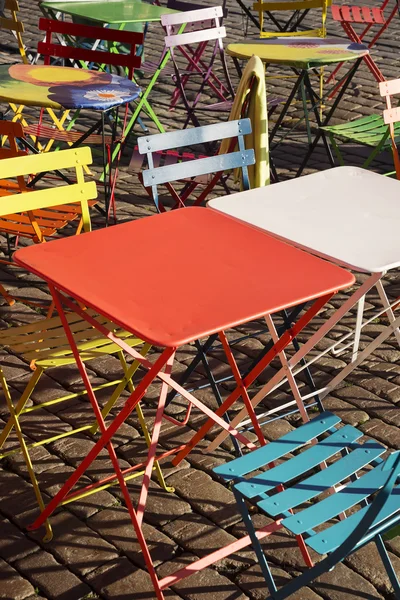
183,275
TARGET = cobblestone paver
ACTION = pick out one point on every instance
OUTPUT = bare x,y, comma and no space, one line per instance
94,553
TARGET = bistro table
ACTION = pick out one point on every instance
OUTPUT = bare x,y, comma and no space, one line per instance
119,14
223,286
55,87
346,215
303,54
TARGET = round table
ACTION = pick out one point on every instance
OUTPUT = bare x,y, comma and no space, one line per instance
298,52
303,54
64,87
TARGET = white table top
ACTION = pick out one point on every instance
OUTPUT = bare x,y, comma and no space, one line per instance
346,214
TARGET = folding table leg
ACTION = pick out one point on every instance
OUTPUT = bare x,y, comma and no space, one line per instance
299,355
154,371
281,344
389,310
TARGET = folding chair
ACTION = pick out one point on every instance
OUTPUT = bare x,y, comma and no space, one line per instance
367,17
202,28
47,221
9,21
380,132
299,494
189,6
299,10
43,344
165,165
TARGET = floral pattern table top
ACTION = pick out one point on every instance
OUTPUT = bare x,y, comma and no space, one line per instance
300,52
64,87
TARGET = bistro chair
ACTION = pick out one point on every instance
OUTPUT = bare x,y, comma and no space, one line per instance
328,489
367,18
9,21
45,222
44,344
378,132
203,32
168,161
291,27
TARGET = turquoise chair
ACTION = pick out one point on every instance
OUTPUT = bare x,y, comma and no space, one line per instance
371,501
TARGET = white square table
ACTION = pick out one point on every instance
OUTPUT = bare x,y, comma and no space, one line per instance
346,215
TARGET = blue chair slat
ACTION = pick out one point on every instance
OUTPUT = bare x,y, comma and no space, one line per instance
194,168
193,136
330,539
332,506
300,464
323,480
275,450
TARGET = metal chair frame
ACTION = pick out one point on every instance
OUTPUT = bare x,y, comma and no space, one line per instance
348,16
192,45
279,489
159,146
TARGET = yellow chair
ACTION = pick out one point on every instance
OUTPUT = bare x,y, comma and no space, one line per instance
36,225
9,21
298,8
43,343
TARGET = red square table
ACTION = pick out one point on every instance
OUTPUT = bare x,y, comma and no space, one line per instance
197,272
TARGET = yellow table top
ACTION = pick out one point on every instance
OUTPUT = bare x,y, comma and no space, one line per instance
303,53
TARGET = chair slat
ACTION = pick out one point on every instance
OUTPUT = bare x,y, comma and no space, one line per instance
388,88
194,37
48,161
295,5
331,538
47,198
300,464
316,484
275,450
195,135
220,162
391,115
337,503
191,16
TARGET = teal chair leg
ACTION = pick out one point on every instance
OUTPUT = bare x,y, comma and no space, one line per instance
256,544
387,563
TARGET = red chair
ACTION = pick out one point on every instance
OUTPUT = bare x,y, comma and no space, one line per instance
348,16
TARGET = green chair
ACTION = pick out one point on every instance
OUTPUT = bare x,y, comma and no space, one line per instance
371,131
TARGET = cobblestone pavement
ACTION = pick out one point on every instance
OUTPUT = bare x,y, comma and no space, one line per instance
94,553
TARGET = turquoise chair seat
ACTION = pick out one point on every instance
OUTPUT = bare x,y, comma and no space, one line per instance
314,459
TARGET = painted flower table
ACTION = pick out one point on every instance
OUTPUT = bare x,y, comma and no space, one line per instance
303,55
118,14
64,87
54,88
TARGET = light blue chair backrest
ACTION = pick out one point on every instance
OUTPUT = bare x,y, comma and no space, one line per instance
242,158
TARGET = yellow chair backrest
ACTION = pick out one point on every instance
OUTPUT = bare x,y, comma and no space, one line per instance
82,191
9,21
293,6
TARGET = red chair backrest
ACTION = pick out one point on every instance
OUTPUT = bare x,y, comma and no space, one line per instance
49,48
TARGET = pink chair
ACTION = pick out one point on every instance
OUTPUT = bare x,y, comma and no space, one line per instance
202,28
